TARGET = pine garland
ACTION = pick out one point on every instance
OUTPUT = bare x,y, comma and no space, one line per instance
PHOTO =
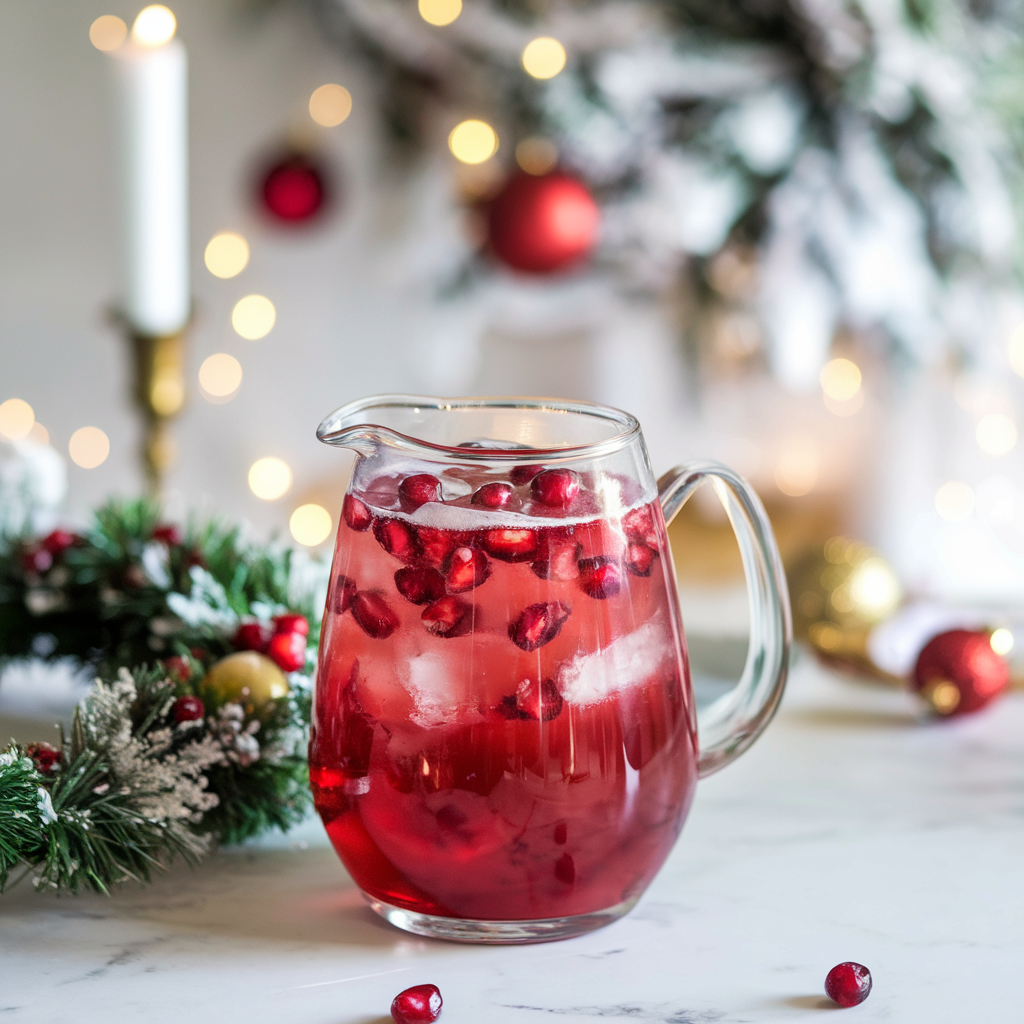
159,763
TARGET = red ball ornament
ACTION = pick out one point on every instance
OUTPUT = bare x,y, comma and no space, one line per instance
958,672
188,709
287,651
294,190
542,223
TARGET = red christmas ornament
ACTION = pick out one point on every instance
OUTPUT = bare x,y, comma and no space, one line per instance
291,623
542,223
188,709
958,672
294,190
59,541
252,636
169,534
287,651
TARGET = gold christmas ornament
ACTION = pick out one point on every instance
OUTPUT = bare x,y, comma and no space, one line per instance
247,678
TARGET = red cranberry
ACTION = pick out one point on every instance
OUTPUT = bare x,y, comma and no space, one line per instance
47,759
420,1004
291,623
556,488
58,541
557,558
397,538
287,651
251,636
848,983
538,624
511,545
466,569
639,559
355,513
538,700
448,617
374,615
178,668
436,545
419,584
36,559
169,534
493,495
188,709
600,577
524,474
417,490
344,591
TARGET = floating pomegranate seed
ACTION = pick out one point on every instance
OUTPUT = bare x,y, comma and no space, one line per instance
188,709
355,513
556,488
524,474
397,538
291,623
419,584
435,545
251,636
557,558
848,984
420,1004
448,617
639,559
374,615
417,490
466,569
58,541
540,701
600,577
511,545
538,624
287,651
639,526
344,591
493,495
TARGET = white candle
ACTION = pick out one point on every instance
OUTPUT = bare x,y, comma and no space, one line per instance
152,92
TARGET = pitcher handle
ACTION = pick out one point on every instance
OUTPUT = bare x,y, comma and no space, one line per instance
726,728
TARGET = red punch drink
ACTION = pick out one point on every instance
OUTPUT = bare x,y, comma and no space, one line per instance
502,727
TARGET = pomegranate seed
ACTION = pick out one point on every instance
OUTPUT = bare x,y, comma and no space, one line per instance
166,533
557,558
251,636
511,545
59,541
600,577
556,488
178,668
493,495
291,623
848,983
344,591
436,545
638,524
466,569
420,1004
287,651
188,709
397,538
374,615
355,513
538,624
540,701
419,584
417,490
448,617
524,474
639,559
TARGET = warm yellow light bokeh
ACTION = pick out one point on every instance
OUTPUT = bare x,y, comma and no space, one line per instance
796,472
996,434
954,501
330,105
16,419
154,26
840,379
544,57
1015,350
107,32
310,525
39,433
89,447
536,156
473,142
1001,641
270,478
440,12
220,375
167,394
226,255
253,317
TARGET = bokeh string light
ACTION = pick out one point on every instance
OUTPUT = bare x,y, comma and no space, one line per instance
310,525
796,472
16,419
330,105
473,141
996,434
543,57
89,447
536,156
220,377
107,32
226,254
954,501
155,26
253,317
270,478
440,12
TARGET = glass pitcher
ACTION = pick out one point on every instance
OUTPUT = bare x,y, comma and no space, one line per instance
504,743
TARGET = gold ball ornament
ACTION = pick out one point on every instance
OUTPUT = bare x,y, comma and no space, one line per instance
247,678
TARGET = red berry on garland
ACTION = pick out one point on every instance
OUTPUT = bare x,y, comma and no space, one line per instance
848,984
188,709
36,559
541,224
251,636
178,668
958,672
59,541
420,1004
287,651
47,759
291,623
168,534
293,190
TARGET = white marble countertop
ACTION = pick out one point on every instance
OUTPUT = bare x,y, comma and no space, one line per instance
851,831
